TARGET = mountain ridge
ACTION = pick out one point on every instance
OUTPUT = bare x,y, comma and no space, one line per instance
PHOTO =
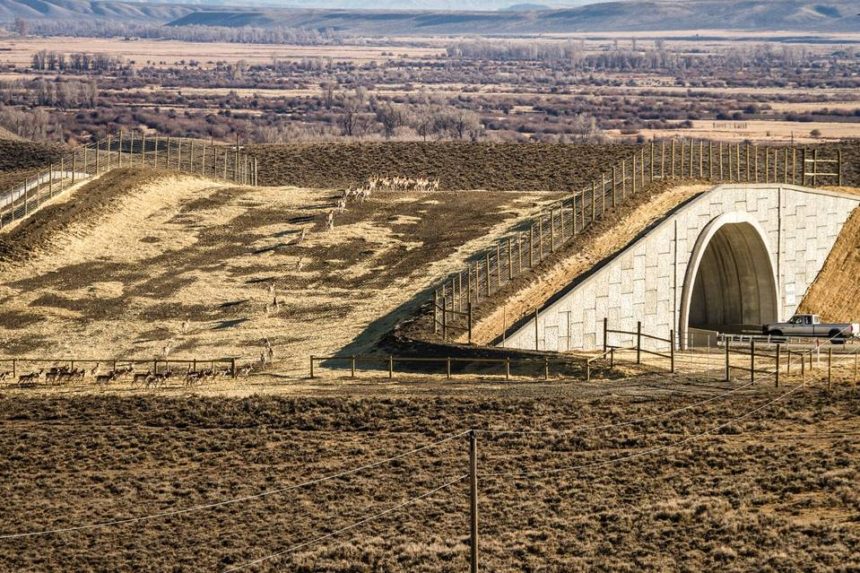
626,16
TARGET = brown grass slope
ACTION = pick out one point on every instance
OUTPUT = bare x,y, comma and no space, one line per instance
835,294
16,154
458,165
774,492
138,260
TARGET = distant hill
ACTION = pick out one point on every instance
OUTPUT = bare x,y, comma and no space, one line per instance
527,7
663,15
799,16
83,9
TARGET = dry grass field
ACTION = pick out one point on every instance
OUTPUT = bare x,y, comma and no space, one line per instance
771,131
171,53
143,264
457,165
775,491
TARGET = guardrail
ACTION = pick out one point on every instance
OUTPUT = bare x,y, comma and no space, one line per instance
229,163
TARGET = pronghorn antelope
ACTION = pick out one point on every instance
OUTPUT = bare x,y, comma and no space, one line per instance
5,375
141,377
105,379
29,377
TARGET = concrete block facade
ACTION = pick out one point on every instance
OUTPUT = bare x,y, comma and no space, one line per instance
646,281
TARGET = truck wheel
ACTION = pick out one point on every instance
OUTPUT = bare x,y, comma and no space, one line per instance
777,334
836,337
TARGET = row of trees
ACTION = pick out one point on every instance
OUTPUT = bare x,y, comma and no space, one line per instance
576,55
45,60
57,92
189,33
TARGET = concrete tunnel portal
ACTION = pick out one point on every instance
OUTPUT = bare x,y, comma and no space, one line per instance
731,284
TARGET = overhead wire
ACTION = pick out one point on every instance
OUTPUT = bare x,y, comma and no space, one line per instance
628,457
353,525
578,429
213,505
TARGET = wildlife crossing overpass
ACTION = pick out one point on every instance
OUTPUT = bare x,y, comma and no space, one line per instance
728,260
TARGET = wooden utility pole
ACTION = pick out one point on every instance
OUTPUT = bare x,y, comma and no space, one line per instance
473,500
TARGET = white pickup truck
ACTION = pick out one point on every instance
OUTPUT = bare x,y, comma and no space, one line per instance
810,325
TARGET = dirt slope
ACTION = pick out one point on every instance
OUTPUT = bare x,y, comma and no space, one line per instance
835,294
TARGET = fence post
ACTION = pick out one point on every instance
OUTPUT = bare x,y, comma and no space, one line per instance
74,167
778,360
639,342
856,353
154,366
233,368
829,367
390,367
487,260
97,157
469,320
473,501
312,365
537,343
448,368
14,368
507,367
352,366
605,334
614,186
444,319
119,149
839,167
752,360
652,161
672,351
435,311
51,180
728,360
546,367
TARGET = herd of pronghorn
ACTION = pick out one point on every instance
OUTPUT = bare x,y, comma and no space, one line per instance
148,378
361,193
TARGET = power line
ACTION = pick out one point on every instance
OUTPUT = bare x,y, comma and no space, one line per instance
648,451
578,429
373,517
174,512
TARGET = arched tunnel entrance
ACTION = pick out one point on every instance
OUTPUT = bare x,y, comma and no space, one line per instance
730,285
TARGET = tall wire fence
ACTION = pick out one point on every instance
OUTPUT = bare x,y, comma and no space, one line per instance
538,237
225,162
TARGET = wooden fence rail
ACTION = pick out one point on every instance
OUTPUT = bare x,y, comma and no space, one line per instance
230,163
556,224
